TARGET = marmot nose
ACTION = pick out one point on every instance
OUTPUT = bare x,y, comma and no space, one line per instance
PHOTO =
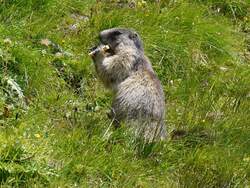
104,32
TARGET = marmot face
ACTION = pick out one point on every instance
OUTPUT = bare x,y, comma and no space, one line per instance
118,39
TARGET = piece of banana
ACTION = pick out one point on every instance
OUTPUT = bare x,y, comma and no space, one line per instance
105,48
102,48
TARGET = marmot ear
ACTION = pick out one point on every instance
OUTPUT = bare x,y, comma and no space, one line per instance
133,36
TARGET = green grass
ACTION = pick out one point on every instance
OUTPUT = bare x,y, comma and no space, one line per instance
201,53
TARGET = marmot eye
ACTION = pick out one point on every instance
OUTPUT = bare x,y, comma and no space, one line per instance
133,36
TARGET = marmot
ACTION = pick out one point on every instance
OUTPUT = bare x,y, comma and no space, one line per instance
138,95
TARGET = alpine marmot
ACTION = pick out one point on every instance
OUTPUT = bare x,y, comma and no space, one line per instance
122,66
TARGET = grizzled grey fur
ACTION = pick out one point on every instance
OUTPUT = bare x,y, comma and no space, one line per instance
138,94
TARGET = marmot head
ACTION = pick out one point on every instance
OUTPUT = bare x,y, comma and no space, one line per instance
121,39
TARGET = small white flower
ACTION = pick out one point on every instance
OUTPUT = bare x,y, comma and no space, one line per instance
59,54
7,41
45,42
223,69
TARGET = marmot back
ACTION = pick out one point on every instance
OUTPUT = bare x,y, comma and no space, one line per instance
138,94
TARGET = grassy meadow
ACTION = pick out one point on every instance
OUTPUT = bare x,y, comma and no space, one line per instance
54,131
